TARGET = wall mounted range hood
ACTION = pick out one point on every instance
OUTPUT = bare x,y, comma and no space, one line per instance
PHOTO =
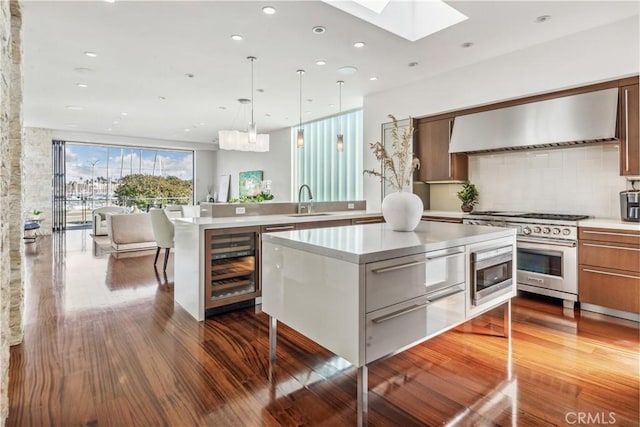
575,119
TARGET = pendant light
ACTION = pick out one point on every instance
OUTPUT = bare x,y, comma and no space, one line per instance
300,139
340,135
252,130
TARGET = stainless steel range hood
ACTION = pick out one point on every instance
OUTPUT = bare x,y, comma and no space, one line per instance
575,119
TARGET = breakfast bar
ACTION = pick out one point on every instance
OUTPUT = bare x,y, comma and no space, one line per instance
366,292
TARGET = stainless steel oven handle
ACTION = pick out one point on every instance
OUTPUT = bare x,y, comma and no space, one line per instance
399,313
567,244
535,279
398,267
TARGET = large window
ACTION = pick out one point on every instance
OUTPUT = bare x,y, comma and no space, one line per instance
332,175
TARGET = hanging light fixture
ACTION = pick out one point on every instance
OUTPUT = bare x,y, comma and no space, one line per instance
245,141
252,130
340,135
300,130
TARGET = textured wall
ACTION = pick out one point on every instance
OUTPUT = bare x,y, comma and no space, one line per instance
37,170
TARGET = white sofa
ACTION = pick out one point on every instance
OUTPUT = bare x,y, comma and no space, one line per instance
131,232
100,219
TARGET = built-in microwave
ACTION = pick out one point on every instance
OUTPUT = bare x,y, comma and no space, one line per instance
491,273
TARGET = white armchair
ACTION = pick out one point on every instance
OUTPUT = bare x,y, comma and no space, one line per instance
190,211
99,216
164,231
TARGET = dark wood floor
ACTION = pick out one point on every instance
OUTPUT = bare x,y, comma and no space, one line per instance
106,345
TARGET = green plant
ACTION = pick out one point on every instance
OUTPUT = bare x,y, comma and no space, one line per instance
261,197
468,195
398,166
36,212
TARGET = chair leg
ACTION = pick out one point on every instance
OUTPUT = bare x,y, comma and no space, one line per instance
155,261
166,258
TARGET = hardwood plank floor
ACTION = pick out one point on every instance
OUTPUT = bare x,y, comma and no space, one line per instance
105,345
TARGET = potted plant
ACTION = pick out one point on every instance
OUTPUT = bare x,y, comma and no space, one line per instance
401,209
468,196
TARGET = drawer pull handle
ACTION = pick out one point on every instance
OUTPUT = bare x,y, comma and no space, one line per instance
447,295
399,313
606,233
588,270
366,221
398,267
535,279
611,247
284,227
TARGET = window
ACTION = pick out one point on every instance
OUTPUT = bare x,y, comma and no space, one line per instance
332,175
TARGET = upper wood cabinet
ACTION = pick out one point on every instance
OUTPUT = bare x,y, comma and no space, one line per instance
629,133
432,148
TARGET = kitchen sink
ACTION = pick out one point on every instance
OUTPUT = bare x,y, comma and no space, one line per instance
309,214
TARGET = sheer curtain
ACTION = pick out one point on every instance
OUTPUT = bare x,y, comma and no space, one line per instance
332,175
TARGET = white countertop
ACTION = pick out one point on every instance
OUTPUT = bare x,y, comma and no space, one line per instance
609,223
361,244
258,220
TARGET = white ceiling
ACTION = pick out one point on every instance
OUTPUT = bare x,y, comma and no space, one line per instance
145,49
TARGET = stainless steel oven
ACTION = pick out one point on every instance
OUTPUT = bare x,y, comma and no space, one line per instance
548,267
491,272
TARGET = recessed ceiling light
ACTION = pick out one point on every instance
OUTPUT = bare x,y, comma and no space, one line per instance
260,90
162,98
359,44
110,1
347,70
201,124
267,115
268,10
109,129
83,85
413,64
124,113
91,54
236,37
373,78
187,130
116,122
189,75
331,105
542,18
319,29
309,100
74,107
222,107
321,62
466,45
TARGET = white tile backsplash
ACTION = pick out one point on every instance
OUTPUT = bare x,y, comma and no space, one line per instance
576,180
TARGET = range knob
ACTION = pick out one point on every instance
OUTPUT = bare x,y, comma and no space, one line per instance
536,230
546,230
566,231
556,230
526,231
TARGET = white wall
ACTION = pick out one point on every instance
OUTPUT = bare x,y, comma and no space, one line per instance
205,174
275,164
600,54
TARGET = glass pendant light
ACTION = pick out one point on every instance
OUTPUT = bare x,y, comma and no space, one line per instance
300,139
340,135
252,130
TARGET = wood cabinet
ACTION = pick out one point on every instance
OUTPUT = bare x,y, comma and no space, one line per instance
629,132
609,268
442,219
231,266
432,148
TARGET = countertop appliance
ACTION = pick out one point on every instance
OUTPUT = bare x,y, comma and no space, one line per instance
630,205
547,261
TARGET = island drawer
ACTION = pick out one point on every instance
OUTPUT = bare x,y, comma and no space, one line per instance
400,279
393,328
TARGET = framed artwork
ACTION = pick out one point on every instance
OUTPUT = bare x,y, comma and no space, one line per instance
387,140
250,183
223,188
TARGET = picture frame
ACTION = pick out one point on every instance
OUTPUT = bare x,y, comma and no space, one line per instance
223,189
387,139
250,183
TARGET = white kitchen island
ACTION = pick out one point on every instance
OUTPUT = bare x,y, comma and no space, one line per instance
366,292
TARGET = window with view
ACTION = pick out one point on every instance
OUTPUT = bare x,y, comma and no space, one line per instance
332,175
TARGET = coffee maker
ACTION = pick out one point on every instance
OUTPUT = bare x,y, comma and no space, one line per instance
630,204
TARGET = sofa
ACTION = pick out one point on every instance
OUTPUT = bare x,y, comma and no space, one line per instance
99,216
131,232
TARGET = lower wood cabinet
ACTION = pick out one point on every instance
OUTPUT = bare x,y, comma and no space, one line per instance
609,268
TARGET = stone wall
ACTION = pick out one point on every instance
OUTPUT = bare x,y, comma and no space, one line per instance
37,166
11,285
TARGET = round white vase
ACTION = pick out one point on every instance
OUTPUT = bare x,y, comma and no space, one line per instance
402,210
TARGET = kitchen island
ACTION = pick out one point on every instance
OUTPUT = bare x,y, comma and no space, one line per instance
366,292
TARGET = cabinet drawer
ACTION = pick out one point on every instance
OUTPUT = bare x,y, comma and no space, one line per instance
446,308
400,279
374,220
277,227
610,255
610,288
392,328
610,235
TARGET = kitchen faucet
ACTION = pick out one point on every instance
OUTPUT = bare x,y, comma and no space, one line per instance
308,206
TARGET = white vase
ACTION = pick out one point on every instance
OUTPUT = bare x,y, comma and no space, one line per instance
402,210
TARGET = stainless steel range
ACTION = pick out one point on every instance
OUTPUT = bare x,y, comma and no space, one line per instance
547,250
